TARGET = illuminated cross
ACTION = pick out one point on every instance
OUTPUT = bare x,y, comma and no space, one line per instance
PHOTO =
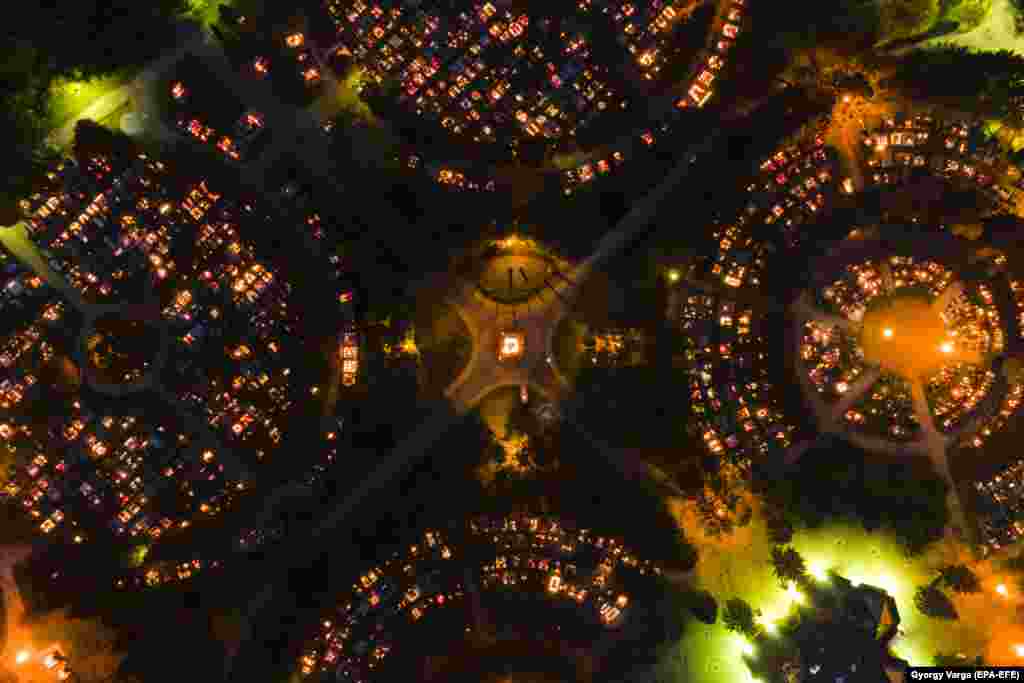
512,345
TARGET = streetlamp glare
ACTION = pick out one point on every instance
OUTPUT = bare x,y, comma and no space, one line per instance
887,332
22,657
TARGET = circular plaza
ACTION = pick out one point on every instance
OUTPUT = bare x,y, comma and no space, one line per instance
905,347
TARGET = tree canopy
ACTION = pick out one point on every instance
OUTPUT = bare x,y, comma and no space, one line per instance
788,566
960,579
820,23
738,616
23,133
989,83
90,38
932,602
907,501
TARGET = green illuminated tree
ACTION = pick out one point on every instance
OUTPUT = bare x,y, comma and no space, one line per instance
788,566
93,37
932,602
739,617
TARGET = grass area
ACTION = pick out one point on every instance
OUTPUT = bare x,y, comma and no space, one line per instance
909,18
967,13
739,566
205,11
69,98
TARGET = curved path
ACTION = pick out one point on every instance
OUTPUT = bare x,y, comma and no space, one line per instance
16,240
931,442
